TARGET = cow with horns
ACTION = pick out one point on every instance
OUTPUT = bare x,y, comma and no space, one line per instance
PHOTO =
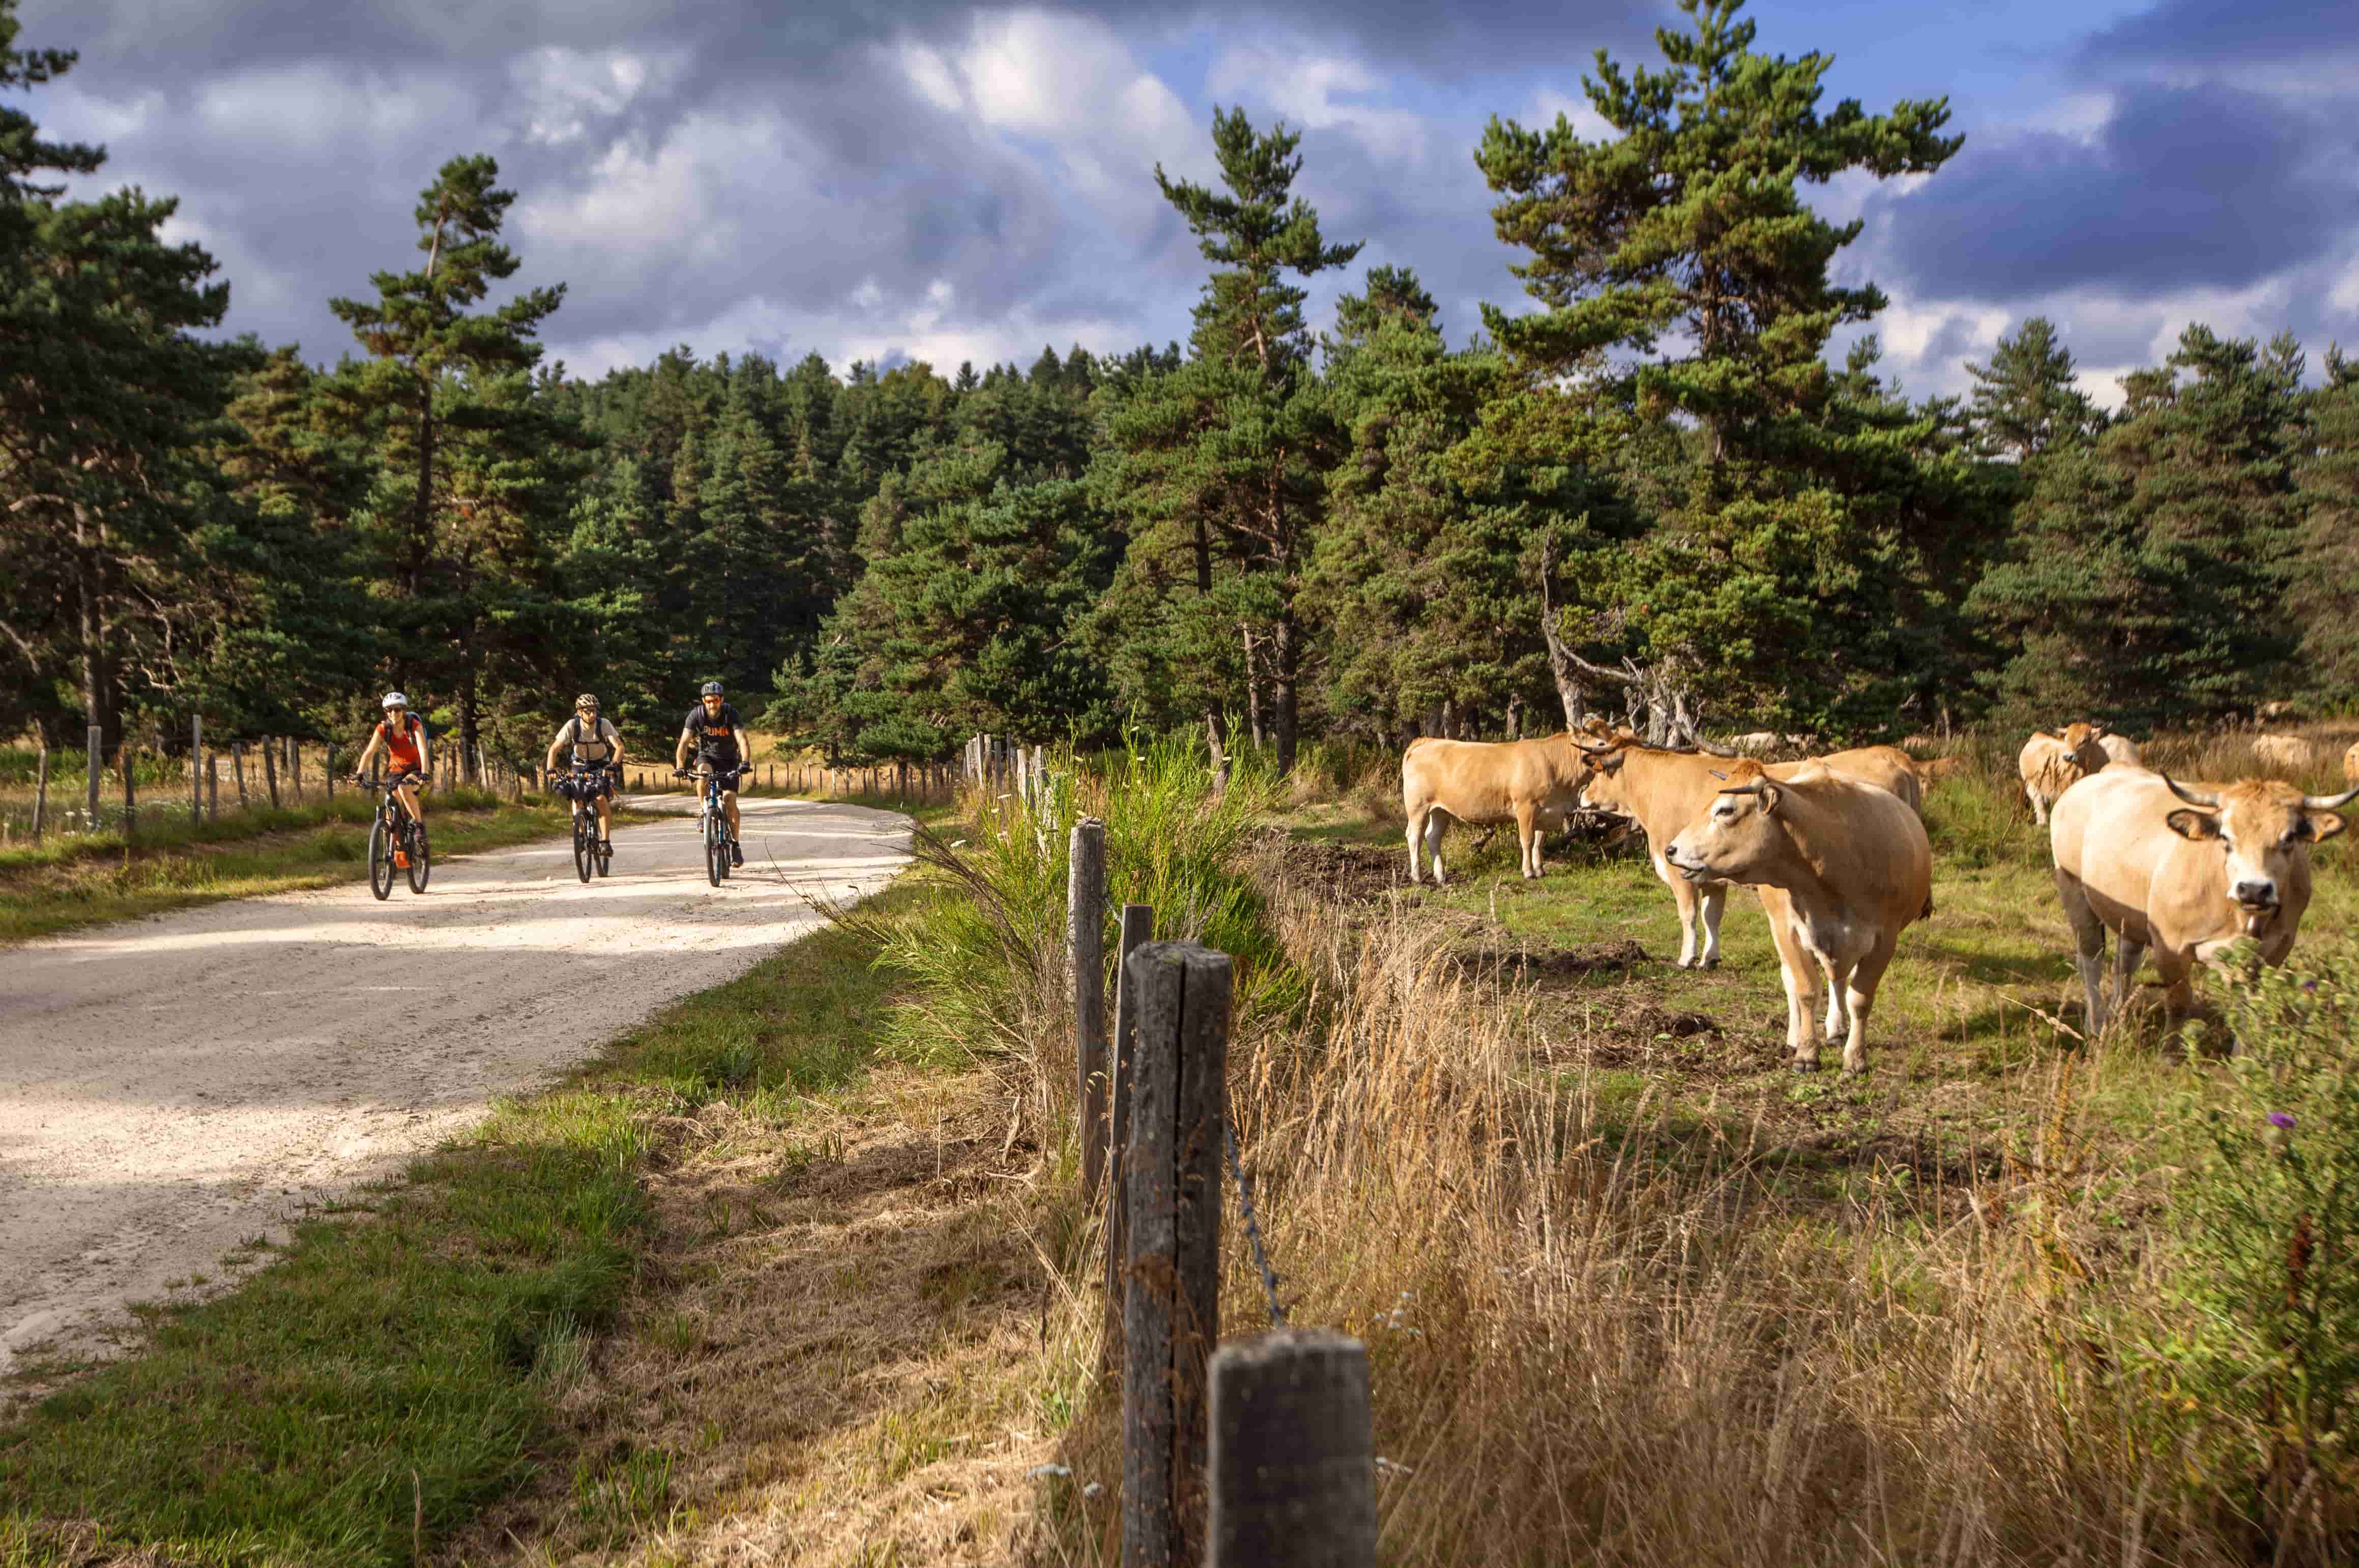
1842,866
2182,872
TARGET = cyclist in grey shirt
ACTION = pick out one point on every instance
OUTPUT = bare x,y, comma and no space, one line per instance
594,742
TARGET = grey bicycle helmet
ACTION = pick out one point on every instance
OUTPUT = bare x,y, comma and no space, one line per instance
393,700
711,688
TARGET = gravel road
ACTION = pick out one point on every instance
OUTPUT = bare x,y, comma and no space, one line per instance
170,1087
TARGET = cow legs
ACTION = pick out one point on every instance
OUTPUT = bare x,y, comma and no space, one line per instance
1866,976
2038,803
1683,893
2089,938
1714,900
1800,971
1436,824
1416,845
1527,834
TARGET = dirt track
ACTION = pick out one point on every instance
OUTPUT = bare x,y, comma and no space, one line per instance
170,1087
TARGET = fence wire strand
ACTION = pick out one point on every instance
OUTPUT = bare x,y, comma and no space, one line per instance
1252,1219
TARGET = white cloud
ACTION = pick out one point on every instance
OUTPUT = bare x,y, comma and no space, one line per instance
293,113
1587,122
1071,83
1305,87
563,90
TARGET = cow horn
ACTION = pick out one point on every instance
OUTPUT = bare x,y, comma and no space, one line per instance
2208,802
2328,802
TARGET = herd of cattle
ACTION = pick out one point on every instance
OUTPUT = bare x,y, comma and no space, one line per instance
1836,846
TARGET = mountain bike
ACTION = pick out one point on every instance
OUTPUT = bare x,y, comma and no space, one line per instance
712,820
590,852
396,841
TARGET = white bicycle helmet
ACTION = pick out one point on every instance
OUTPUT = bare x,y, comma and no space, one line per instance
393,700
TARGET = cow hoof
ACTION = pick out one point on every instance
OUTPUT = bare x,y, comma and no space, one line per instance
1805,1065
1711,963
1852,1071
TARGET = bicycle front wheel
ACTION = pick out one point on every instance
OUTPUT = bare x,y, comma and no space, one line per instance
380,860
584,848
422,861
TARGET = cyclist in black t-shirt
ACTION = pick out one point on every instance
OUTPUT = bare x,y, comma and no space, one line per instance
719,738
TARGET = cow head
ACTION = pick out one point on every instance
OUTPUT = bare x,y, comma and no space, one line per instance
1597,772
2265,827
1737,833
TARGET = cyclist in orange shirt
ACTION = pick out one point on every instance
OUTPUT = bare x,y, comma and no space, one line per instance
403,736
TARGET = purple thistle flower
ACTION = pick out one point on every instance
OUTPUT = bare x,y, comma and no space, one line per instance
2279,1118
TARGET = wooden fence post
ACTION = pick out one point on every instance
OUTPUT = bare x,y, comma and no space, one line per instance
295,766
237,766
212,788
97,738
1085,894
196,769
270,771
1293,1460
1137,931
130,792
1171,1305
41,793
327,770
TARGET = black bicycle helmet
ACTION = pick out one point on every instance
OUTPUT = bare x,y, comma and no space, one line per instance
711,688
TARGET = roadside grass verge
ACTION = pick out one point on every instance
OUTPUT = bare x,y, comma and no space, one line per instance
91,879
439,1344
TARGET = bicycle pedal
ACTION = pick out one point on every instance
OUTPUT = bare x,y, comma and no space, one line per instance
401,859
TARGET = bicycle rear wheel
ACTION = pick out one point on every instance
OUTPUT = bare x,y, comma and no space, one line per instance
380,859
422,861
584,851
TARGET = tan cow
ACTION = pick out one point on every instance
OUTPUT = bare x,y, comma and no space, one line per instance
2183,871
2350,764
1664,791
2053,761
1842,866
2283,753
1533,783
2121,751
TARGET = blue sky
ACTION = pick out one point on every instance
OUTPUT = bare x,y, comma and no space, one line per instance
944,181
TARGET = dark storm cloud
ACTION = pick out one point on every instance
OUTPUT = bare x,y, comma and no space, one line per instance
160,40
2183,186
2208,36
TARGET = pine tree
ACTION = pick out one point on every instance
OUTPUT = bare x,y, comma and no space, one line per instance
1682,274
1220,464
105,397
465,449
2148,585
2324,596
2025,403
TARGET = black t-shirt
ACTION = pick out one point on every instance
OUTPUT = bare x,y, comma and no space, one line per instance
716,738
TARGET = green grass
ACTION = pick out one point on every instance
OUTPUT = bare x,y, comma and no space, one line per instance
1965,1021
401,1365
86,880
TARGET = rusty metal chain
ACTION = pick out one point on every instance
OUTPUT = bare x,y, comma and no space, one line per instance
1252,1219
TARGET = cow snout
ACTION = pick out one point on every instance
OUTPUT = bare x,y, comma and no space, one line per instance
2260,893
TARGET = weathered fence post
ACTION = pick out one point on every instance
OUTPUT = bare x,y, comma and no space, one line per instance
130,792
196,769
1171,1305
1293,1461
1137,931
327,770
212,788
1085,894
295,766
270,771
237,766
97,738
41,793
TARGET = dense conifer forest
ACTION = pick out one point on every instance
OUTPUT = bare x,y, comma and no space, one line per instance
1642,489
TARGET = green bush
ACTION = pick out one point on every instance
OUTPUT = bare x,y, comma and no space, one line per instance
2263,1356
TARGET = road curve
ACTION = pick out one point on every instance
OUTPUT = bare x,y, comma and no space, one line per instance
172,1086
